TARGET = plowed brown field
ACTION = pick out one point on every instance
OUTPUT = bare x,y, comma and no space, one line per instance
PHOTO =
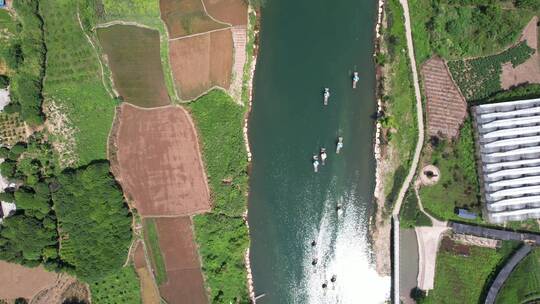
184,277
446,107
159,163
233,12
186,17
19,281
149,291
201,62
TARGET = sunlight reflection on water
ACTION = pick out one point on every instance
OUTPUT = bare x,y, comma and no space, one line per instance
342,250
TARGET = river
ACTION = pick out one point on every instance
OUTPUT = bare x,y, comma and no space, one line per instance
304,47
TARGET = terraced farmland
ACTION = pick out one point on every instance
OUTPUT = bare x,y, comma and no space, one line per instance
446,107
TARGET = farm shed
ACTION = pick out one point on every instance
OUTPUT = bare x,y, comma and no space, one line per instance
508,146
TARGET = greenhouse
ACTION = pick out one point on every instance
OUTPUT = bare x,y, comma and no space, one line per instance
508,149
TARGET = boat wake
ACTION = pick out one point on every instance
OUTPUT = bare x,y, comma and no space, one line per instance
342,250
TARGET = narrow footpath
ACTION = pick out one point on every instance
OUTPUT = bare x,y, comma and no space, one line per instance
418,149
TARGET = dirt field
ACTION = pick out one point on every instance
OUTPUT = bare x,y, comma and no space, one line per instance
233,12
529,71
134,57
159,162
19,281
184,276
446,107
201,62
149,291
186,17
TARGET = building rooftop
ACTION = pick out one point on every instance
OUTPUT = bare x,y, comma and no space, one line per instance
508,150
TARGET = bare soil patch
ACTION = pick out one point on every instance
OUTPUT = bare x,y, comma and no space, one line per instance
134,57
201,62
19,281
184,275
187,17
529,71
234,12
446,107
159,161
149,290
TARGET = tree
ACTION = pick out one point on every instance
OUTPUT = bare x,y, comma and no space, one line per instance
94,217
4,81
27,236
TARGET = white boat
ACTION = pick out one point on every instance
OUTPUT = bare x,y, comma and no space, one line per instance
326,96
315,163
355,80
323,155
339,145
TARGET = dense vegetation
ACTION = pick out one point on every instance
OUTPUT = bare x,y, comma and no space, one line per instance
479,78
151,239
399,121
222,234
521,92
464,279
455,29
458,184
121,286
85,206
26,56
410,215
91,211
523,285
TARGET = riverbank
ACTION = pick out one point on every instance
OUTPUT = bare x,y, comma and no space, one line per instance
249,72
396,133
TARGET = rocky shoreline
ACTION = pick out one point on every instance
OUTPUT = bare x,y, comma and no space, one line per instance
253,62
380,226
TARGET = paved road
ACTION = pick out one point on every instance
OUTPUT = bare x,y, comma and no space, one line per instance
505,273
419,110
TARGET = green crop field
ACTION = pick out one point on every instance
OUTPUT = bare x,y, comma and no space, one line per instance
133,56
151,239
479,78
464,279
74,80
145,12
119,287
523,285
12,129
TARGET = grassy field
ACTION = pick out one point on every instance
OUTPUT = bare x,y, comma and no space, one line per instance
400,117
222,234
147,13
464,279
458,29
152,241
479,78
120,287
74,80
133,56
410,215
458,184
523,285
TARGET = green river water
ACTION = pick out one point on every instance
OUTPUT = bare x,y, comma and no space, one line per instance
304,47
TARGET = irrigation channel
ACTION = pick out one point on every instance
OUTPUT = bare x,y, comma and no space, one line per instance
304,47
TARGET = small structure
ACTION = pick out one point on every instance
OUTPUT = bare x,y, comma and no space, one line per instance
430,175
466,214
2,3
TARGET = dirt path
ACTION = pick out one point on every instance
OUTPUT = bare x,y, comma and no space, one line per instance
419,110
